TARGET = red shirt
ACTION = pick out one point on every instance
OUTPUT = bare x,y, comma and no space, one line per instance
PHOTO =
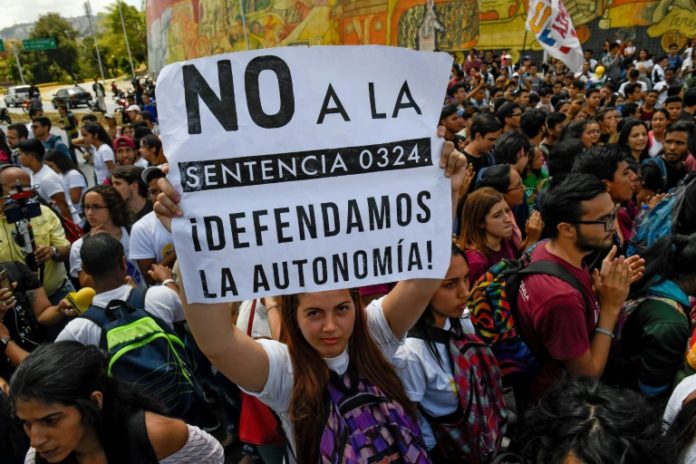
553,317
480,263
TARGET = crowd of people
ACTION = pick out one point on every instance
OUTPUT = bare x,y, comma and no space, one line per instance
561,332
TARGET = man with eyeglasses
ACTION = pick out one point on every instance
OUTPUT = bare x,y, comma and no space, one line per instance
41,128
610,165
571,327
150,242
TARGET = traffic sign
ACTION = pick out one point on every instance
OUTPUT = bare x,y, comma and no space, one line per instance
34,45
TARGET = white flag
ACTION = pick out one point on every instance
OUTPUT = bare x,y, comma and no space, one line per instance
550,22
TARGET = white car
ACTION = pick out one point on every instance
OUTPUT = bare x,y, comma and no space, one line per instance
16,95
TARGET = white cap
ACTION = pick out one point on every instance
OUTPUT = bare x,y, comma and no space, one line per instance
133,108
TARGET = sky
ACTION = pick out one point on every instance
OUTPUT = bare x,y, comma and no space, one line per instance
17,12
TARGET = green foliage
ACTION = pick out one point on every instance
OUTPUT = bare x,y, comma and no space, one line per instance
61,64
112,42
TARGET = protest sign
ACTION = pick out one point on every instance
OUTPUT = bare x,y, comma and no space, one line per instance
306,169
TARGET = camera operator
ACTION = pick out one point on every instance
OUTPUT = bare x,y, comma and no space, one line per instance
51,247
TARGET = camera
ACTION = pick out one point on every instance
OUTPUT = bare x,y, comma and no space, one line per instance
21,203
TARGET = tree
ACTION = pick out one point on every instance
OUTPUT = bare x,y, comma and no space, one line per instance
112,41
60,64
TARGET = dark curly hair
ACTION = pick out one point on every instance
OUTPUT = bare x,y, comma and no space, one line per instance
118,209
597,424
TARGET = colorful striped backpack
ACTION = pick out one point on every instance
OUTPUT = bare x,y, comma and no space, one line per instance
493,307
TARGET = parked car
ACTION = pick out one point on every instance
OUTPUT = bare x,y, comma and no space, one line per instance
16,95
71,97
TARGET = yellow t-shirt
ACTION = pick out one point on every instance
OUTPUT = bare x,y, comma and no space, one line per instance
47,231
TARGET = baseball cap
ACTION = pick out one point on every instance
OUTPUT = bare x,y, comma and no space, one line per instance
133,108
150,172
124,141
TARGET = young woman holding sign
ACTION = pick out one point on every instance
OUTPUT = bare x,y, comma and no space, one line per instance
335,353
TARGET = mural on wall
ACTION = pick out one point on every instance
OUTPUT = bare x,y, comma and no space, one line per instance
186,29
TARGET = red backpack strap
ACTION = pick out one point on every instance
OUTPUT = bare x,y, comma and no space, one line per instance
250,325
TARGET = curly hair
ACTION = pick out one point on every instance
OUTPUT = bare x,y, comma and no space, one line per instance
596,423
118,209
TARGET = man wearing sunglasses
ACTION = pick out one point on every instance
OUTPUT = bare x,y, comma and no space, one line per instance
571,326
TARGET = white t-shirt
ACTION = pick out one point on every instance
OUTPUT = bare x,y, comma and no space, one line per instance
662,96
76,261
260,327
277,392
643,87
141,163
149,239
427,381
49,184
101,156
73,179
160,301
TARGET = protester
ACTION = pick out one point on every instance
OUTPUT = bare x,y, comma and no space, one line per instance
561,320
485,130
662,173
441,341
610,166
126,153
73,411
105,212
634,136
486,231
51,246
293,378
128,182
74,182
656,326
583,421
50,185
150,242
656,136
151,150
94,134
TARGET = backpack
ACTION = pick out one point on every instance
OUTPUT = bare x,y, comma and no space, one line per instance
493,308
363,426
674,214
473,433
143,351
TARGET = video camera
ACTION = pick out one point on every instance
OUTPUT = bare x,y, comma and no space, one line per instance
21,203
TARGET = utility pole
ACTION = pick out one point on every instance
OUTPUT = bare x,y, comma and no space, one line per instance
88,11
19,63
123,26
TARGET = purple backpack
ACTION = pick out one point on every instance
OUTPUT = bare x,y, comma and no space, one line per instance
365,426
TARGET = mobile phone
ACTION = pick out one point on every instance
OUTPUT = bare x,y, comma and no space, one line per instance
5,280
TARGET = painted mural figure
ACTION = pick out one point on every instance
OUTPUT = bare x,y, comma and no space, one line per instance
426,32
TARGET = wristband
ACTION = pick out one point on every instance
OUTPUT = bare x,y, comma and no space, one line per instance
169,281
606,332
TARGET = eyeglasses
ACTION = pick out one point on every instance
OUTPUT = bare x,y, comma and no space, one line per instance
516,114
517,187
94,207
609,222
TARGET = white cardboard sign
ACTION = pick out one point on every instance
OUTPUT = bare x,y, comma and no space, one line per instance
306,169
